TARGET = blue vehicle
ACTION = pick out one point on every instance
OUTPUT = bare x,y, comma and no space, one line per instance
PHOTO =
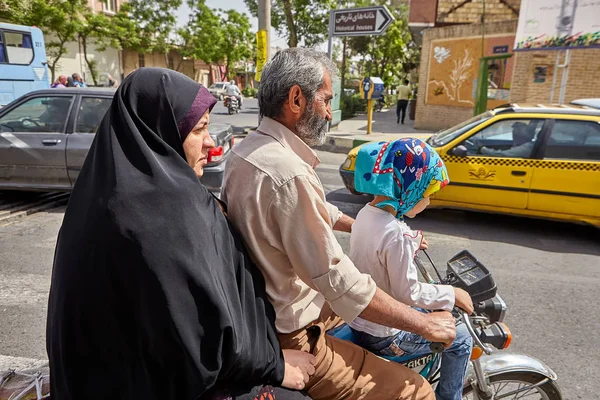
23,64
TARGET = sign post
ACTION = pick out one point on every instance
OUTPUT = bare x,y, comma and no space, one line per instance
364,21
371,88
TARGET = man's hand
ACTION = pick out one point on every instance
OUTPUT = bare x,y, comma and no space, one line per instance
441,327
424,244
299,366
463,300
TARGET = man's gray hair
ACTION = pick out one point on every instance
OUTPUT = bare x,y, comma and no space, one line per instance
289,67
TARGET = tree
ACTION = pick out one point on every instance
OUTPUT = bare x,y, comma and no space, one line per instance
98,28
390,55
237,40
303,21
202,36
154,23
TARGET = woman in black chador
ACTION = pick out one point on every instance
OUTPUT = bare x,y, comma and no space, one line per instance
153,295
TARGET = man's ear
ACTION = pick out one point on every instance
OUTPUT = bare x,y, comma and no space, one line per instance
296,100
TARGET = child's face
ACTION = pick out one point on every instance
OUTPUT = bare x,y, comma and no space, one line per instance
420,206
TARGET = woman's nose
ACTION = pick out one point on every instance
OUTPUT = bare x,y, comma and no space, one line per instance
209,142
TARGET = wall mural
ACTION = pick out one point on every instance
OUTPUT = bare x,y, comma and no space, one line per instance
453,68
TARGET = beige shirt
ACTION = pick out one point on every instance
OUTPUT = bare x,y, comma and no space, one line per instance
404,92
276,200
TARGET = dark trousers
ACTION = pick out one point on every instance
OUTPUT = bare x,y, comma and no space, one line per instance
401,107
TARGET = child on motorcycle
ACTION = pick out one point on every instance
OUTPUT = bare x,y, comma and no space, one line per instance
402,174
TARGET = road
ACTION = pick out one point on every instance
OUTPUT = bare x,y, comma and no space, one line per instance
247,118
548,273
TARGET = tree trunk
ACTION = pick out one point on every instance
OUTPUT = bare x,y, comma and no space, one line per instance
60,52
289,18
90,65
343,73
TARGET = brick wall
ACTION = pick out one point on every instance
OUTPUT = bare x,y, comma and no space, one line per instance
582,82
434,117
470,12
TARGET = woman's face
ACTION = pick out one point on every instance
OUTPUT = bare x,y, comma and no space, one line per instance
197,144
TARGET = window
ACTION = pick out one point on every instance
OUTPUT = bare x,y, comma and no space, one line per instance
444,137
574,140
16,48
40,114
141,61
513,138
91,112
110,6
2,55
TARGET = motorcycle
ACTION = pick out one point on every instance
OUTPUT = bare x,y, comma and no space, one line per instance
492,373
231,102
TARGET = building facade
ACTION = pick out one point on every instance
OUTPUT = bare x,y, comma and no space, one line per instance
108,61
453,40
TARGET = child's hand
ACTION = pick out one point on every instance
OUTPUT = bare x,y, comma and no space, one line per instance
424,244
463,300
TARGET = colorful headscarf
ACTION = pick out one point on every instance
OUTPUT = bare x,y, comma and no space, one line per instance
406,170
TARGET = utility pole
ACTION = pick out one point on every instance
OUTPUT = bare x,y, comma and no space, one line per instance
264,22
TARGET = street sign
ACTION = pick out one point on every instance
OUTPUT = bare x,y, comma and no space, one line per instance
361,21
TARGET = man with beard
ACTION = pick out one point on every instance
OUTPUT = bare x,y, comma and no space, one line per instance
276,200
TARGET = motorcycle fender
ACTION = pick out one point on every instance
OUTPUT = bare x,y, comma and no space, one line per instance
503,362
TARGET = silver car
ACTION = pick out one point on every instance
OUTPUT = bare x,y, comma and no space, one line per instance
218,89
45,136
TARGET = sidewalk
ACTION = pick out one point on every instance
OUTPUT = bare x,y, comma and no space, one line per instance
353,132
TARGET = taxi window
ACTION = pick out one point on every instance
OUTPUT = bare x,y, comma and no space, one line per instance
574,140
512,138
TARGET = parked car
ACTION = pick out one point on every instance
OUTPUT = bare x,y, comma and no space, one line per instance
558,179
217,89
45,136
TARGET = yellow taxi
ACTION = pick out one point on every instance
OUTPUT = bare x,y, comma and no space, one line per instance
534,160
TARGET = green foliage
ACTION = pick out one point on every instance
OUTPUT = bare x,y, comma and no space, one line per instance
153,22
299,20
389,56
216,36
249,92
352,105
238,40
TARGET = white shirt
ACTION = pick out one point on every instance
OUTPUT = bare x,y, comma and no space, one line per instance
384,247
232,90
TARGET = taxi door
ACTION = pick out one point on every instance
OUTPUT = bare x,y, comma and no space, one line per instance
488,168
567,179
